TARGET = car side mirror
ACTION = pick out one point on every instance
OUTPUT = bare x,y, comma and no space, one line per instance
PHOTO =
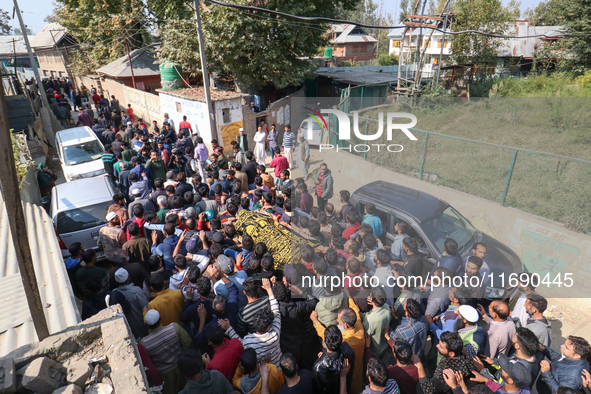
425,252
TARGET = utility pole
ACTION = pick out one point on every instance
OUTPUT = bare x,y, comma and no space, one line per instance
14,50
16,219
212,126
130,65
61,55
32,58
442,45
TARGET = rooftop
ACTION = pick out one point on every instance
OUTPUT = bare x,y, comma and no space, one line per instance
358,76
48,36
16,327
198,94
7,48
142,61
350,33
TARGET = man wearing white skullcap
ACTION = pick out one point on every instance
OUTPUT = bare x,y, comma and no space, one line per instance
164,345
109,239
137,300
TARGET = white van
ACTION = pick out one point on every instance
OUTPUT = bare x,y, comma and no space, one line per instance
79,210
317,132
80,152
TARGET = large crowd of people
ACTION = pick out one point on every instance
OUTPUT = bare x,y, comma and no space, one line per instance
224,273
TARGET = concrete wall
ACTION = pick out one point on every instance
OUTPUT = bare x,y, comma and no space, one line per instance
227,131
279,112
30,187
145,105
195,111
544,246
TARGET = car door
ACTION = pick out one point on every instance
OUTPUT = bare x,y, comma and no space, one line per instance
423,244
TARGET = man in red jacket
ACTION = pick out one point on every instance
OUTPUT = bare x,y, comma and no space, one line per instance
227,352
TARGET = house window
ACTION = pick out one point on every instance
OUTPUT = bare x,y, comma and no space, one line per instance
439,44
436,61
226,115
395,44
179,107
359,48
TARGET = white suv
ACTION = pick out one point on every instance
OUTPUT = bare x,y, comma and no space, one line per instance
80,153
79,210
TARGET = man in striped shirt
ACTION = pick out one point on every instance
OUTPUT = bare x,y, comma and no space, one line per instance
288,144
267,325
245,323
109,160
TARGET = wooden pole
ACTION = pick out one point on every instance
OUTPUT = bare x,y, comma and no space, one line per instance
16,218
32,59
212,125
130,65
14,50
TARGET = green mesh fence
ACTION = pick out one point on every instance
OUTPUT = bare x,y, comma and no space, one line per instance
547,185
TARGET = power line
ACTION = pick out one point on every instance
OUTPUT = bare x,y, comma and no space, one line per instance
341,21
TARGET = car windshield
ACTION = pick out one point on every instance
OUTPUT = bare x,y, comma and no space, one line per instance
79,219
82,153
448,224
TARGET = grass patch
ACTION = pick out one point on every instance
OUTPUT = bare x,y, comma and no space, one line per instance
551,187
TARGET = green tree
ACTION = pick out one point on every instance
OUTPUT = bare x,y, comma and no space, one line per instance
18,32
577,19
5,28
387,60
255,48
102,28
485,15
546,13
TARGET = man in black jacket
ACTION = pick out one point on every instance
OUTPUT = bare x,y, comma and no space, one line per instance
327,369
250,169
298,335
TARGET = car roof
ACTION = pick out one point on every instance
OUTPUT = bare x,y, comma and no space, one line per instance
83,192
75,135
418,204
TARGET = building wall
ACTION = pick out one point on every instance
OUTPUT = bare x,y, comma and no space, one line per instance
354,49
147,83
50,63
195,111
228,125
145,105
279,112
434,47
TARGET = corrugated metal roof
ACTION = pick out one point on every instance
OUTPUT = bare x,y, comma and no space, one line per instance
142,61
358,77
44,38
17,327
20,114
7,49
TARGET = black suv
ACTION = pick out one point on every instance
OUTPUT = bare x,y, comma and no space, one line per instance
432,220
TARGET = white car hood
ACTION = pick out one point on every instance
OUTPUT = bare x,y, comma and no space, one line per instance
85,170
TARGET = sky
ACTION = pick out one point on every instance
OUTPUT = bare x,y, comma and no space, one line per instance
34,11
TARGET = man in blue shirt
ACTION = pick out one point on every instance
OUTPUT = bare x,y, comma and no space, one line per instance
166,248
98,129
371,219
450,259
397,252
215,175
